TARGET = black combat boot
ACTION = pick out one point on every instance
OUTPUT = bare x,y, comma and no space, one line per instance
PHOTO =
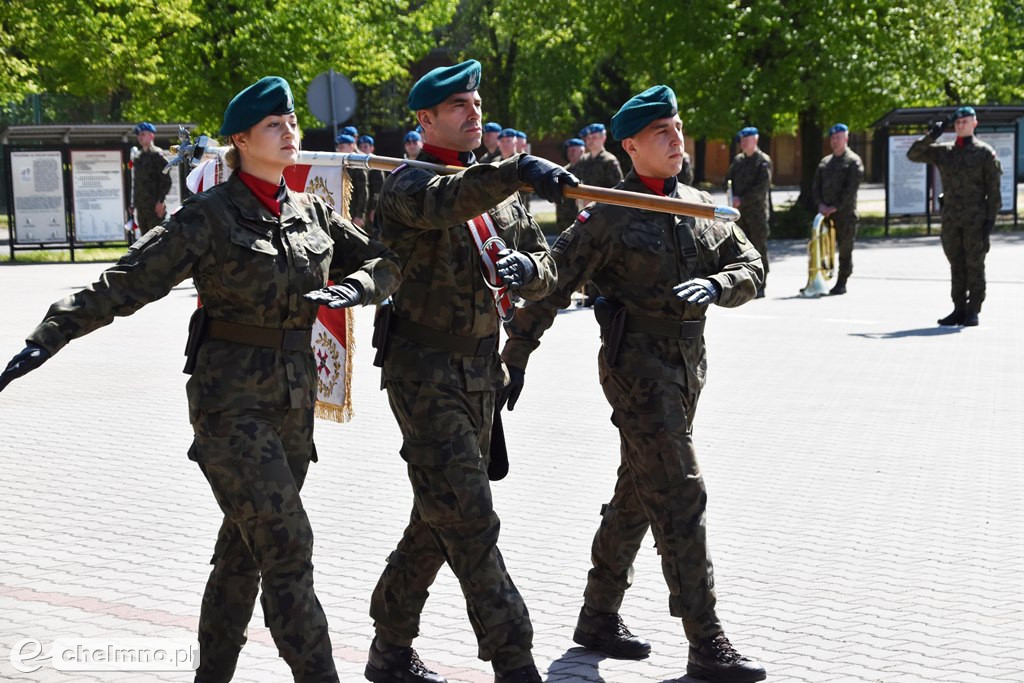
838,289
605,632
954,318
715,660
970,319
393,664
522,674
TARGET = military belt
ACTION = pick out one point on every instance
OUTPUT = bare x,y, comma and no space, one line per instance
659,327
428,336
264,337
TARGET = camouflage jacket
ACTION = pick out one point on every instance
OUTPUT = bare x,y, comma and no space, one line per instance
150,184
376,182
601,171
250,267
751,178
970,173
422,216
486,157
635,257
836,181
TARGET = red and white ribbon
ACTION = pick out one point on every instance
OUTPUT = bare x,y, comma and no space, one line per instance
489,245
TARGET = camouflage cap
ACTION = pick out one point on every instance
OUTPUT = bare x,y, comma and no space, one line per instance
640,110
443,82
963,112
270,95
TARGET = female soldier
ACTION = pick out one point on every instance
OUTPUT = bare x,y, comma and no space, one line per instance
255,251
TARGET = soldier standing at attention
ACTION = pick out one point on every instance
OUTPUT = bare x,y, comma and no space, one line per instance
260,256
506,144
598,166
970,174
658,275
150,184
565,212
751,176
835,193
441,369
346,144
489,150
413,143
375,178
522,142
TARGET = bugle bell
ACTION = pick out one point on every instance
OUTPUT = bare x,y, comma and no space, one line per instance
821,256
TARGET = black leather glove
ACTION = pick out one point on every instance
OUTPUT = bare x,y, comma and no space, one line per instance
27,360
935,130
349,293
546,179
697,291
510,392
515,268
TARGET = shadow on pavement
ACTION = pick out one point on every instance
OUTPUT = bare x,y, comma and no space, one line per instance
919,332
578,662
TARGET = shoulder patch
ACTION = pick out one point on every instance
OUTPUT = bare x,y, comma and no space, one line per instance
564,242
738,233
713,233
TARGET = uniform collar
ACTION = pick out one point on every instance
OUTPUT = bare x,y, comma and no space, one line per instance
248,204
448,157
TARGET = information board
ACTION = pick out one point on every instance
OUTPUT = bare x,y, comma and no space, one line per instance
37,182
97,191
907,181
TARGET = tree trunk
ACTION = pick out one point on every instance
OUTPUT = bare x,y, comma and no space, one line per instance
810,153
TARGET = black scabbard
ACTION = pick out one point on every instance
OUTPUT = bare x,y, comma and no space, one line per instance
497,468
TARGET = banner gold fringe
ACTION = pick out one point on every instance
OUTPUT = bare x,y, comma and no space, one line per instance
331,411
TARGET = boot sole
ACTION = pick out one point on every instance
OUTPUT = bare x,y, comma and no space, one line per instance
724,677
591,643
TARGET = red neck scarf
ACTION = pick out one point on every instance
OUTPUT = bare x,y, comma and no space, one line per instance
659,186
448,157
269,194
960,142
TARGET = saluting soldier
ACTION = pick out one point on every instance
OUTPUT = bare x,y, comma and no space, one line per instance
375,178
658,274
751,176
346,143
598,167
565,212
255,251
970,172
441,369
834,191
150,184
489,150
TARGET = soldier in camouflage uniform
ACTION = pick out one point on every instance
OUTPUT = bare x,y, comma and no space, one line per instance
489,151
565,212
441,369
150,184
598,167
360,182
253,249
751,176
834,192
970,174
658,274
375,181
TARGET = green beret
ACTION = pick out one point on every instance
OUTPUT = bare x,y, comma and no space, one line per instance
650,105
963,112
270,95
443,82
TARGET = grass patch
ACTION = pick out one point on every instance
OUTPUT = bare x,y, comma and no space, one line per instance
86,255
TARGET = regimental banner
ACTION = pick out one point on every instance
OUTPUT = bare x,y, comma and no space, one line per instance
97,191
333,341
37,180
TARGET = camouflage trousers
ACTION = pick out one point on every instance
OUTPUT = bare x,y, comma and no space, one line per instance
445,443
754,223
846,234
965,244
255,462
659,487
